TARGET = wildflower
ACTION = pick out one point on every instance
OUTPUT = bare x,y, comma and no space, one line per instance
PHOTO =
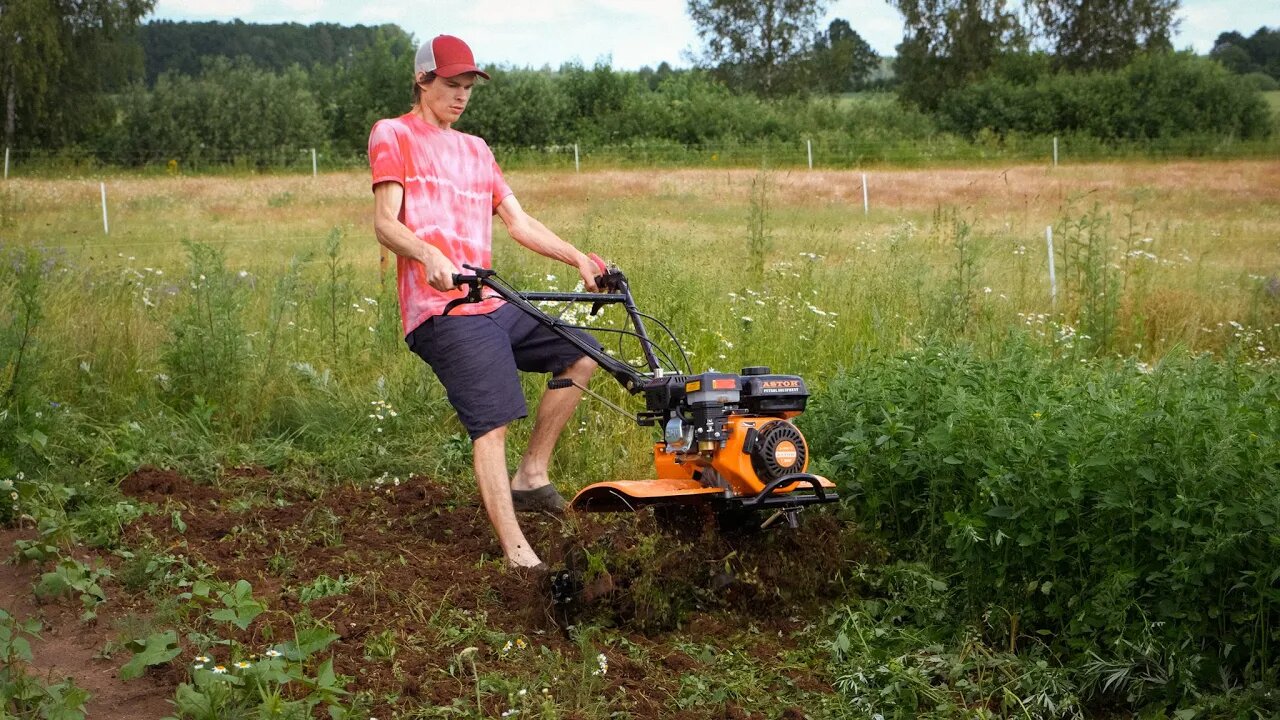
220,669
521,644
507,648
272,653
603,662
243,274
242,665
203,659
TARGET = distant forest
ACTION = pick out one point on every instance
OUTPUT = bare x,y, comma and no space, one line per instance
200,93
184,47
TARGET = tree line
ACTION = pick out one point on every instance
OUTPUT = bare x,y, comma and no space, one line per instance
162,91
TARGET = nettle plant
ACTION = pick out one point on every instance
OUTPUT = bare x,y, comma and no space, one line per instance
1121,517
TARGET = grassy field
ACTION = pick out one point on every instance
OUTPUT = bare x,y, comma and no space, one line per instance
217,390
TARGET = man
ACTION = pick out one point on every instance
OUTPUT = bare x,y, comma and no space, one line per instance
435,193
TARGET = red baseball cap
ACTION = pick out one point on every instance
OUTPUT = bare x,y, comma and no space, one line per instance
446,56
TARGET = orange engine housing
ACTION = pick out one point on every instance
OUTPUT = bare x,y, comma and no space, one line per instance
732,463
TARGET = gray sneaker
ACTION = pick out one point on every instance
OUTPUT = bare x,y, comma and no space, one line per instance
543,499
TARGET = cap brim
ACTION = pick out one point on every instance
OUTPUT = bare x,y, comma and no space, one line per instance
448,71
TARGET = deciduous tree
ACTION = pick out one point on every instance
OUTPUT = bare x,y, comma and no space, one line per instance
1102,34
951,43
842,60
757,45
56,56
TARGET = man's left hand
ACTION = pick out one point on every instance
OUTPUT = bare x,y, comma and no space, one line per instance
588,269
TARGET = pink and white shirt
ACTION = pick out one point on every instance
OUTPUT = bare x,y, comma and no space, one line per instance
452,185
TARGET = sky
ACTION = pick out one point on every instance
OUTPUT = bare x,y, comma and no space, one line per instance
628,33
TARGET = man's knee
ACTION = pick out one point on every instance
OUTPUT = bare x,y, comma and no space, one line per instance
495,437
583,366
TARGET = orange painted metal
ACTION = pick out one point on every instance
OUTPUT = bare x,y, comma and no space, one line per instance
678,476
626,495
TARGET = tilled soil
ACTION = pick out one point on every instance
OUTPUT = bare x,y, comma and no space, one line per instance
69,648
424,563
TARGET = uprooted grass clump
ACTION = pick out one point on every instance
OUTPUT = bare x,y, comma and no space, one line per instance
649,571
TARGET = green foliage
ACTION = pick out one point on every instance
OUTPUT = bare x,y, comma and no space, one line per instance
180,47
841,60
276,685
71,577
201,120
157,649
758,233
239,608
325,586
757,46
23,286
1160,95
59,60
1103,35
23,697
1259,53
1101,509
898,652
519,107
207,358
951,43
372,83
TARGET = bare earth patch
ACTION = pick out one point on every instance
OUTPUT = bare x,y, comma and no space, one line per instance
68,648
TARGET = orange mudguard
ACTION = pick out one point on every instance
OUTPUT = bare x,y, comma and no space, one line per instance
630,495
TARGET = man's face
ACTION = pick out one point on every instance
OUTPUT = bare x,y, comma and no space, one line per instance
446,98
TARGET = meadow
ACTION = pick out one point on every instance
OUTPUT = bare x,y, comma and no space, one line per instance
217,391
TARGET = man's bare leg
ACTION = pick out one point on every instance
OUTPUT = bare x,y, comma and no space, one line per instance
490,458
554,410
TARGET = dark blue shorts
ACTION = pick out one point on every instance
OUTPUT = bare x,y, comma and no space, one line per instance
476,358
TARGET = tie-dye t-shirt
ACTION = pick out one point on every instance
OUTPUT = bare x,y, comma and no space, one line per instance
451,185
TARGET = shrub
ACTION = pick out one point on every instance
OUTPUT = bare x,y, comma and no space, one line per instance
1124,516
1160,95
232,113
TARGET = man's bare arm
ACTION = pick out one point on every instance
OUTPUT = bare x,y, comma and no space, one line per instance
526,230
387,199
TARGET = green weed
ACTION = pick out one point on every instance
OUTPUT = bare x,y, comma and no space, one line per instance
23,696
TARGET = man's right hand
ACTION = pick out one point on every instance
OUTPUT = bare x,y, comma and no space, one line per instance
440,270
